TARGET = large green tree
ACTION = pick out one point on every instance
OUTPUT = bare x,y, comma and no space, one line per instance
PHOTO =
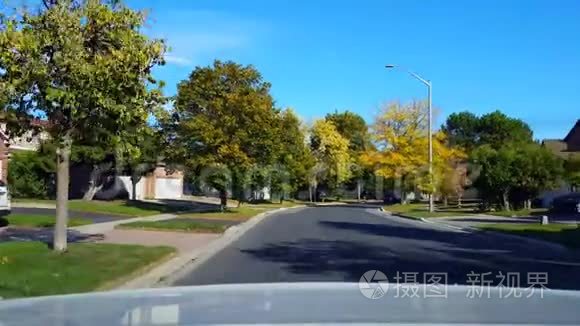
535,169
496,129
295,158
85,66
224,115
515,174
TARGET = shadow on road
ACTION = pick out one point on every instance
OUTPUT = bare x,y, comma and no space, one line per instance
420,251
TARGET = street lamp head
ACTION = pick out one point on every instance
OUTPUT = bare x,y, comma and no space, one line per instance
389,66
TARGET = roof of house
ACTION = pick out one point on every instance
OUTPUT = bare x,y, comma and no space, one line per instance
574,130
556,146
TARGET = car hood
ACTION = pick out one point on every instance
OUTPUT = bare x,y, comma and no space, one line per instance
295,303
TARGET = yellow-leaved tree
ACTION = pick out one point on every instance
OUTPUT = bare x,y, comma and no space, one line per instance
330,149
400,133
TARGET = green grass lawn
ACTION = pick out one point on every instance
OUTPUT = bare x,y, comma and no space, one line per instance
116,207
31,269
568,235
520,213
41,220
177,224
277,204
33,200
422,210
236,214
119,207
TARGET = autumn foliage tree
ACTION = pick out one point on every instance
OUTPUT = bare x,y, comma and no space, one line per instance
331,152
400,136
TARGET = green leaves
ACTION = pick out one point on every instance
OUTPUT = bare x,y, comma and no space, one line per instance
85,66
223,114
520,172
496,129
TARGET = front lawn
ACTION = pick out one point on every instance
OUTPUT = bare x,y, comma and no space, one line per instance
177,224
33,200
236,214
520,213
40,221
32,269
568,235
119,207
115,207
422,210
277,204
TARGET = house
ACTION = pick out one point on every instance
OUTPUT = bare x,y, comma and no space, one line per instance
566,148
158,183
29,141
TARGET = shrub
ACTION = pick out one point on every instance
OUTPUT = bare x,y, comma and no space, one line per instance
30,175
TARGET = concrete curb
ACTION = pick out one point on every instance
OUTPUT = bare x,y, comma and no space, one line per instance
169,272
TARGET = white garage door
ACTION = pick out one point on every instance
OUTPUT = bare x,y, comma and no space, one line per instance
166,188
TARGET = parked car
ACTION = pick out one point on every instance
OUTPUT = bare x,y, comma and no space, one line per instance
569,203
391,199
4,199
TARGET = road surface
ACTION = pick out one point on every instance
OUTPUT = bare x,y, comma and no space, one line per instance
341,243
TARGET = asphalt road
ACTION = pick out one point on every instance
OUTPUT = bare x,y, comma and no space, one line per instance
342,243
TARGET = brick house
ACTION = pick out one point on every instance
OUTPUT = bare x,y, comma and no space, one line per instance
566,148
27,142
159,183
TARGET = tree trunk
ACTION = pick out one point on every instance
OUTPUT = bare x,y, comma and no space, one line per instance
62,184
310,192
528,204
458,201
223,199
134,181
506,202
445,201
358,184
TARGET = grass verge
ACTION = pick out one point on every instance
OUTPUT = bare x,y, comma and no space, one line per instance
33,200
272,205
32,269
418,211
120,207
40,221
520,213
235,214
568,235
177,224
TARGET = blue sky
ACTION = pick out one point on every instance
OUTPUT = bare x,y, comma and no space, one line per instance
522,57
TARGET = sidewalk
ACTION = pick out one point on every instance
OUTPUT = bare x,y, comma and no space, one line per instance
109,226
194,250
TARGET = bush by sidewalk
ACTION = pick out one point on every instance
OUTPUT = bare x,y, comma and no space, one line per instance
32,269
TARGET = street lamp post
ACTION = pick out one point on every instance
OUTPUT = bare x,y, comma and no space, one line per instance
430,135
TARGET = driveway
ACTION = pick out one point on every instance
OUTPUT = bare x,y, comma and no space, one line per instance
342,243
